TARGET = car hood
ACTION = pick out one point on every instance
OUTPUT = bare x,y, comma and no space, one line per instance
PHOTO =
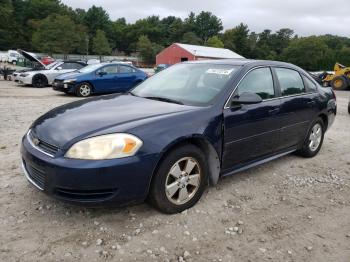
28,70
31,57
69,123
71,75
38,71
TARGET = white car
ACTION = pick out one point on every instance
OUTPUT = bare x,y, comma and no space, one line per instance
46,74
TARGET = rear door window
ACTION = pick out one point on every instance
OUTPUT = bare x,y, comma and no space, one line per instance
109,70
258,81
126,69
290,81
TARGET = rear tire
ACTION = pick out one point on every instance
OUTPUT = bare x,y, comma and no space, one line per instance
180,180
339,83
314,139
39,81
83,90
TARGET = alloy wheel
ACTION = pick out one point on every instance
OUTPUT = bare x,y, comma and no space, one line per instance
183,181
85,90
315,137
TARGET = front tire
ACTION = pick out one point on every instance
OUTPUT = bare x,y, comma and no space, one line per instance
180,180
84,90
314,140
39,81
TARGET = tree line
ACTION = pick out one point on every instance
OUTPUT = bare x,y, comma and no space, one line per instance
49,26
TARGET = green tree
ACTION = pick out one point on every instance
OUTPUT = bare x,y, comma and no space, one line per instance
58,34
96,18
147,49
343,56
173,29
309,53
237,39
215,42
191,39
150,26
281,40
207,25
190,23
6,25
119,39
100,45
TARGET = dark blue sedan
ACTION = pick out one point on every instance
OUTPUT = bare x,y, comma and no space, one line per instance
100,79
177,132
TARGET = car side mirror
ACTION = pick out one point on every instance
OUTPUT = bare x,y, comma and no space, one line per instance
59,68
102,73
246,98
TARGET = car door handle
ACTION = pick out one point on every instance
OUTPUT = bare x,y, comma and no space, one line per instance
274,111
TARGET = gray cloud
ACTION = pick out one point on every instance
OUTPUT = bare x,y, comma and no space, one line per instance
306,17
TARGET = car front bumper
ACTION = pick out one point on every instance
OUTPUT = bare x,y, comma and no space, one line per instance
63,87
15,77
117,181
24,80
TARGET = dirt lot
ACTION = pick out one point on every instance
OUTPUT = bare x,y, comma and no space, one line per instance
291,209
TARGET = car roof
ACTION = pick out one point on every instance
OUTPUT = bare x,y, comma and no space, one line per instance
73,61
115,63
243,62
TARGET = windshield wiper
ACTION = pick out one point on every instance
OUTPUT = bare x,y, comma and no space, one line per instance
164,99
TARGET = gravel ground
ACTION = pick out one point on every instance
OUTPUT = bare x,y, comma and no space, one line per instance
291,209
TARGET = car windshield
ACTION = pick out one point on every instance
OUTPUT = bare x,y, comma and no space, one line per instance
90,68
52,65
189,84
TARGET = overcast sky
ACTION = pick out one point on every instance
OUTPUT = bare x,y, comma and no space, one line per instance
306,17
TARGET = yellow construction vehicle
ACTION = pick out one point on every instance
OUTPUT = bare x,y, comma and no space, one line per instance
340,80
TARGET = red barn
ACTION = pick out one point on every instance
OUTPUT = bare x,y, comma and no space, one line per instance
177,53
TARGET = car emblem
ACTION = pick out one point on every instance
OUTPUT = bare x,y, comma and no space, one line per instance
36,141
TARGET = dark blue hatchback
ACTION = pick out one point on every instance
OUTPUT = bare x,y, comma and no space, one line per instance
177,132
100,79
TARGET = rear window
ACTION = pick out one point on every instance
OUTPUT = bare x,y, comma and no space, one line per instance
290,81
71,66
311,86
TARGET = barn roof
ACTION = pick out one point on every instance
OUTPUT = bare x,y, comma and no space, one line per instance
210,52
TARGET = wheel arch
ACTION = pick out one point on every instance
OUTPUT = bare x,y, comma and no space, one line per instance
205,146
324,118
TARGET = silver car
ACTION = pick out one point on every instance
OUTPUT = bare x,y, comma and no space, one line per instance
46,75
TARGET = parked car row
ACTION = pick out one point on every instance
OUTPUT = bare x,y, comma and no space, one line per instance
99,79
78,77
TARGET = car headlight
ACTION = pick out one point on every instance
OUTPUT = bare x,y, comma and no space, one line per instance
24,75
69,81
105,147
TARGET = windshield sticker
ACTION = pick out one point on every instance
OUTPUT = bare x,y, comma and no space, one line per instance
219,71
